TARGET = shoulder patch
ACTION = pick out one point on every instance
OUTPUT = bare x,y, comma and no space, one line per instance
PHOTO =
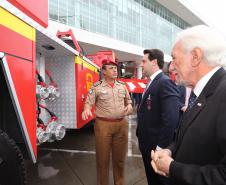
121,82
97,83
91,91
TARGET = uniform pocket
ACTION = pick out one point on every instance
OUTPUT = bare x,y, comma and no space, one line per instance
104,96
121,93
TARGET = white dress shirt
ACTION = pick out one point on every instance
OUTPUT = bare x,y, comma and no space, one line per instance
203,81
152,77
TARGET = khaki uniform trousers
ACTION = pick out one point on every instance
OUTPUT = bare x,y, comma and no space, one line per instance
111,137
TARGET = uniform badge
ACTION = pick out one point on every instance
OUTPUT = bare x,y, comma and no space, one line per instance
199,104
91,91
97,83
149,102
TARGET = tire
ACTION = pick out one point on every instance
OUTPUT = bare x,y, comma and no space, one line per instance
12,168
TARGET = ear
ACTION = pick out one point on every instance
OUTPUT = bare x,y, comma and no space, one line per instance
197,56
155,62
104,71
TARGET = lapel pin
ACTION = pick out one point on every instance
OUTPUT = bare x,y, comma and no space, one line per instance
199,104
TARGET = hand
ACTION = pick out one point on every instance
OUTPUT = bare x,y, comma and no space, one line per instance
128,109
160,153
86,113
161,160
184,108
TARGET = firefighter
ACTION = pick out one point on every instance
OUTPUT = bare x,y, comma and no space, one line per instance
112,103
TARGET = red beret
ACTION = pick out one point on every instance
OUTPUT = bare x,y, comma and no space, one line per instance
108,61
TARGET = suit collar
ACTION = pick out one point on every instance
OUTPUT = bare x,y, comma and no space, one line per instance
150,87
208,89
152,77
200,103
213,82
204,80
159,75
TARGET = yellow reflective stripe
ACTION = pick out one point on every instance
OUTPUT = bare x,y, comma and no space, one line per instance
85,64
15,24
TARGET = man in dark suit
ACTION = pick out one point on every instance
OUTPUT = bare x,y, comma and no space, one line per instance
157,113
198,154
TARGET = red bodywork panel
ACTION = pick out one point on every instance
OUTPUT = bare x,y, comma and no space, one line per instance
19,46
22,73
15,44
86,75
37,10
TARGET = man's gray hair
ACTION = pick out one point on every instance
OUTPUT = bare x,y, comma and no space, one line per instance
206,38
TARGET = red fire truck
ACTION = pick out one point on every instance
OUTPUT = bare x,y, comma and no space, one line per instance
43,84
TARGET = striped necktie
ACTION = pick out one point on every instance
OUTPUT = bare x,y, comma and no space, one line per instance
191,100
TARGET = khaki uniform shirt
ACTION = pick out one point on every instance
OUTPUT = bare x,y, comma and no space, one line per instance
109,102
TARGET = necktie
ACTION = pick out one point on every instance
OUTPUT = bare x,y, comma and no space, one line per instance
191,100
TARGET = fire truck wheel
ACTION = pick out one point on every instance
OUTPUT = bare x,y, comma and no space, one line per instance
12,168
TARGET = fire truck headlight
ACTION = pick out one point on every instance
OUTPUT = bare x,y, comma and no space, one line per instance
42,136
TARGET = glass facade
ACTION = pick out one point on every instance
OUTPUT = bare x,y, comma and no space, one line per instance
145,23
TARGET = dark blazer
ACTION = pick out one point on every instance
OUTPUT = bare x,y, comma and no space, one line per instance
182,94
158,113
200,146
